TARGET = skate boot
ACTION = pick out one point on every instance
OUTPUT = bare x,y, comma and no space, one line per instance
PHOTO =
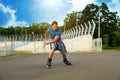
67,62
49,63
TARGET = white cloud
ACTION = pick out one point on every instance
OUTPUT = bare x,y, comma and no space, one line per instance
114,5
13,19
79,5
56,10
59,9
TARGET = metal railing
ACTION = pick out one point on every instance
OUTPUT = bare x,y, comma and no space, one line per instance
80,30
8,42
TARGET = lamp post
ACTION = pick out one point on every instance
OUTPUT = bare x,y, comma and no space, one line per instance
99,23
26,33
78,15
99,41
34,40
76,19
15,34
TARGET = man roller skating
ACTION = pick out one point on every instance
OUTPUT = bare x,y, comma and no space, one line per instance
56,43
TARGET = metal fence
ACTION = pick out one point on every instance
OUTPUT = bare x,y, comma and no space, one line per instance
22,37
6,48
7,42
87,28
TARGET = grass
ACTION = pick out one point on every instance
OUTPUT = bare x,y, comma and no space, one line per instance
16,53
109,48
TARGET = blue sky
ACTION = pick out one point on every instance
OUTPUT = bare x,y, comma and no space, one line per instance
26,12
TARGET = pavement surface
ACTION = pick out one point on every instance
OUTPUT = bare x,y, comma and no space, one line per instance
86,66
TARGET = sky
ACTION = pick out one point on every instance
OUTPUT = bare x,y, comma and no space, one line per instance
26,12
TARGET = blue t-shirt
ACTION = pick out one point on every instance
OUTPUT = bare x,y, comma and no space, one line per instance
55,33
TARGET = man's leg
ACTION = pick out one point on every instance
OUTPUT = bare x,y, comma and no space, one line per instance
50,56
65,59
63,55
51,53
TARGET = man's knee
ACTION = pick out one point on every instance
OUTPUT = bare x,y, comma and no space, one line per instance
53,49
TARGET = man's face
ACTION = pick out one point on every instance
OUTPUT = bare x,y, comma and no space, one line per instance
54,27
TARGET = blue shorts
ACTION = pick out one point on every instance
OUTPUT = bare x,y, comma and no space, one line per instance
59,46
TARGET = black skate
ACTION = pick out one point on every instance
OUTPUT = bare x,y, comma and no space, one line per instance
49,63
67,62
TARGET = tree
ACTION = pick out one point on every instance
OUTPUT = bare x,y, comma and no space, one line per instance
69,21
108,19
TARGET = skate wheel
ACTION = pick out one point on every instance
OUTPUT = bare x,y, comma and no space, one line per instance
48,67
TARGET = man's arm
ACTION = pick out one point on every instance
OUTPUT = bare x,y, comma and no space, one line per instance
52,41
55,39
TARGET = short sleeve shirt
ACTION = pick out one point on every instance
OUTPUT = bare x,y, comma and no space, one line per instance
54,33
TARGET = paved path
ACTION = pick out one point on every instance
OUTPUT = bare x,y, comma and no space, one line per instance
100,66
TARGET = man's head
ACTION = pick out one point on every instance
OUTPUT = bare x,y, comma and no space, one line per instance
54,25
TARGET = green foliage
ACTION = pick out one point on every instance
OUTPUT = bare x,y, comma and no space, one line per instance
105,46
37,28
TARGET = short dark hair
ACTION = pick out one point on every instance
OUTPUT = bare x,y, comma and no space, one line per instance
54,22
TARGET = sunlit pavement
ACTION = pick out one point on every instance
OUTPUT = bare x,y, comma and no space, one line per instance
87,66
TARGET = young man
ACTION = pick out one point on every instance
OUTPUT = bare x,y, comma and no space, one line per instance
56,43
